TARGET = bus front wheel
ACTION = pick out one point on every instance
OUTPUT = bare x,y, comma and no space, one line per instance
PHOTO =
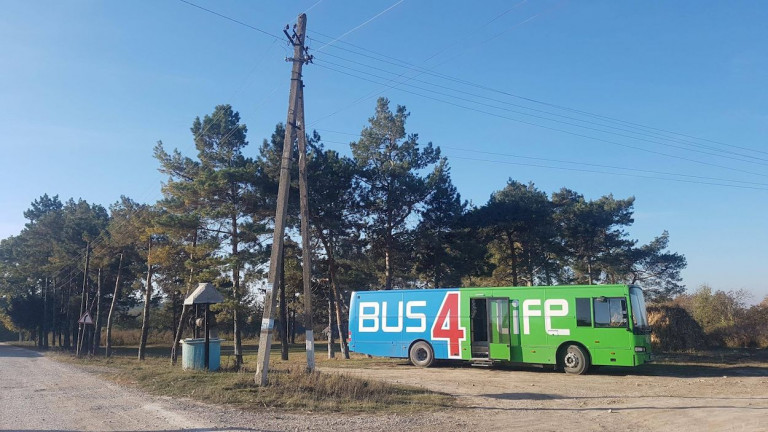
575,360
421,354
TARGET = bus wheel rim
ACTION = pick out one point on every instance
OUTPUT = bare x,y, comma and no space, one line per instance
421,354
571,360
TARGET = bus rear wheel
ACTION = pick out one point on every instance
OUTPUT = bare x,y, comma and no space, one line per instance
421,354
575,360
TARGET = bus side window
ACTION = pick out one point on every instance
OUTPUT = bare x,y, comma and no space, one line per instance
610,312
583,313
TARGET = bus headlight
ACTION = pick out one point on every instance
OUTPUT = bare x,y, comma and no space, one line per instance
639,349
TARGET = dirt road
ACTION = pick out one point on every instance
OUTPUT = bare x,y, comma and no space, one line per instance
655,398
37,393
40,394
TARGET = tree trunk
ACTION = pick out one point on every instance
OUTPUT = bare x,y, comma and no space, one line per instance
236,291
98,323
387,269
42,340
513,257
331,353
54,313
184,310
66,313
112,307
337,300
147,299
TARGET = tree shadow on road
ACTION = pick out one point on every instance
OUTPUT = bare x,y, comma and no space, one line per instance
12,351
544,396
686,371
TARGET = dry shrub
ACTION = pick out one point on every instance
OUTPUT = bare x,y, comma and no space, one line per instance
674,329
132,337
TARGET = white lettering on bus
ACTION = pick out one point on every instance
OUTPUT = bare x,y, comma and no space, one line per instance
392,329
515,318
549,313
528,312
373,316
419,316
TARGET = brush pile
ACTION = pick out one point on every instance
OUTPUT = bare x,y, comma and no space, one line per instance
674,329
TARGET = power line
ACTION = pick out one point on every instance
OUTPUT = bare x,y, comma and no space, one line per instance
101,238
361,51
360,26
560,130
320,63
405,64
623,129
233,20
612,173
710,180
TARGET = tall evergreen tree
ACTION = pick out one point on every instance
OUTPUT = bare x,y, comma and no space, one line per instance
591,231
333,212
390,163
517,222
440,256
222,185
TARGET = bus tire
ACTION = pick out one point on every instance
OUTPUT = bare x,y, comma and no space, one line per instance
575,360
421,354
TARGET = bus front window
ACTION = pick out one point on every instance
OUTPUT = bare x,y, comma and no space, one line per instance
639,314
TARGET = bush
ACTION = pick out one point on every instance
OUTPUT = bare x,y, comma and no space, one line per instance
132,337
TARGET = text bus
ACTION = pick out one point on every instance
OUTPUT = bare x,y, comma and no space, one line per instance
569,326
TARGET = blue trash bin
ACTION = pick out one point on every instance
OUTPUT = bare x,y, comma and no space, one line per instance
193,354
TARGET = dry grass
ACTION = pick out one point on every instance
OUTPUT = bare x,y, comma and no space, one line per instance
290,386
674,329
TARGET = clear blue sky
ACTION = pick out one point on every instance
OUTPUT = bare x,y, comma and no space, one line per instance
88,87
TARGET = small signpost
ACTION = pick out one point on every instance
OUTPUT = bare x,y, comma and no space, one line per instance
205,294
86,319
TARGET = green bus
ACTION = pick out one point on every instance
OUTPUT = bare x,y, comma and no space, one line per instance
571,327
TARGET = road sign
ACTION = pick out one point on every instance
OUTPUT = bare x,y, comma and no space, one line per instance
86,319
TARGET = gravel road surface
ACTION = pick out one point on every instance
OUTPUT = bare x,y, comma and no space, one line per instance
39,394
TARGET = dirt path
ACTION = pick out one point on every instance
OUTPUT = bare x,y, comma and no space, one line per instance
40,394
37,393
652,398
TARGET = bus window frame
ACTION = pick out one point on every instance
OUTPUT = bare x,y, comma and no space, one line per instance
624,324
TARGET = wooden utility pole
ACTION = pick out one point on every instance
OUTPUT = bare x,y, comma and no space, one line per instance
275,267
306,262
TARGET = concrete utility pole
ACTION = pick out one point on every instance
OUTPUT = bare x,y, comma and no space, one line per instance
292,129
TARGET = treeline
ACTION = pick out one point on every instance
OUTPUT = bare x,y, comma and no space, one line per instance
387,217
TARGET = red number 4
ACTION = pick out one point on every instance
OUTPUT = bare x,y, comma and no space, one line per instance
447,325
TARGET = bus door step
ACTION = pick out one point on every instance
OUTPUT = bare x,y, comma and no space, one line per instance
482,363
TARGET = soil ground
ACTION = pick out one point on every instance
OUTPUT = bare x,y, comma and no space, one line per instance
709,391
669,396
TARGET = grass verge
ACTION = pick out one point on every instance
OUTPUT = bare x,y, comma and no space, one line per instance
290,386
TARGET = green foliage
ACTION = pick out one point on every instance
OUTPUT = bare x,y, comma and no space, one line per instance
441,246
725,317
387,216
389,163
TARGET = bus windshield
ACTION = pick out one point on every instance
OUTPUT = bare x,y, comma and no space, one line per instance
639,315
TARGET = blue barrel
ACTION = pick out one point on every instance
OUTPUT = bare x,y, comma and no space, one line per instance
193,354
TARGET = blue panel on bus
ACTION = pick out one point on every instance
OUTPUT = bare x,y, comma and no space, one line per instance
385,323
